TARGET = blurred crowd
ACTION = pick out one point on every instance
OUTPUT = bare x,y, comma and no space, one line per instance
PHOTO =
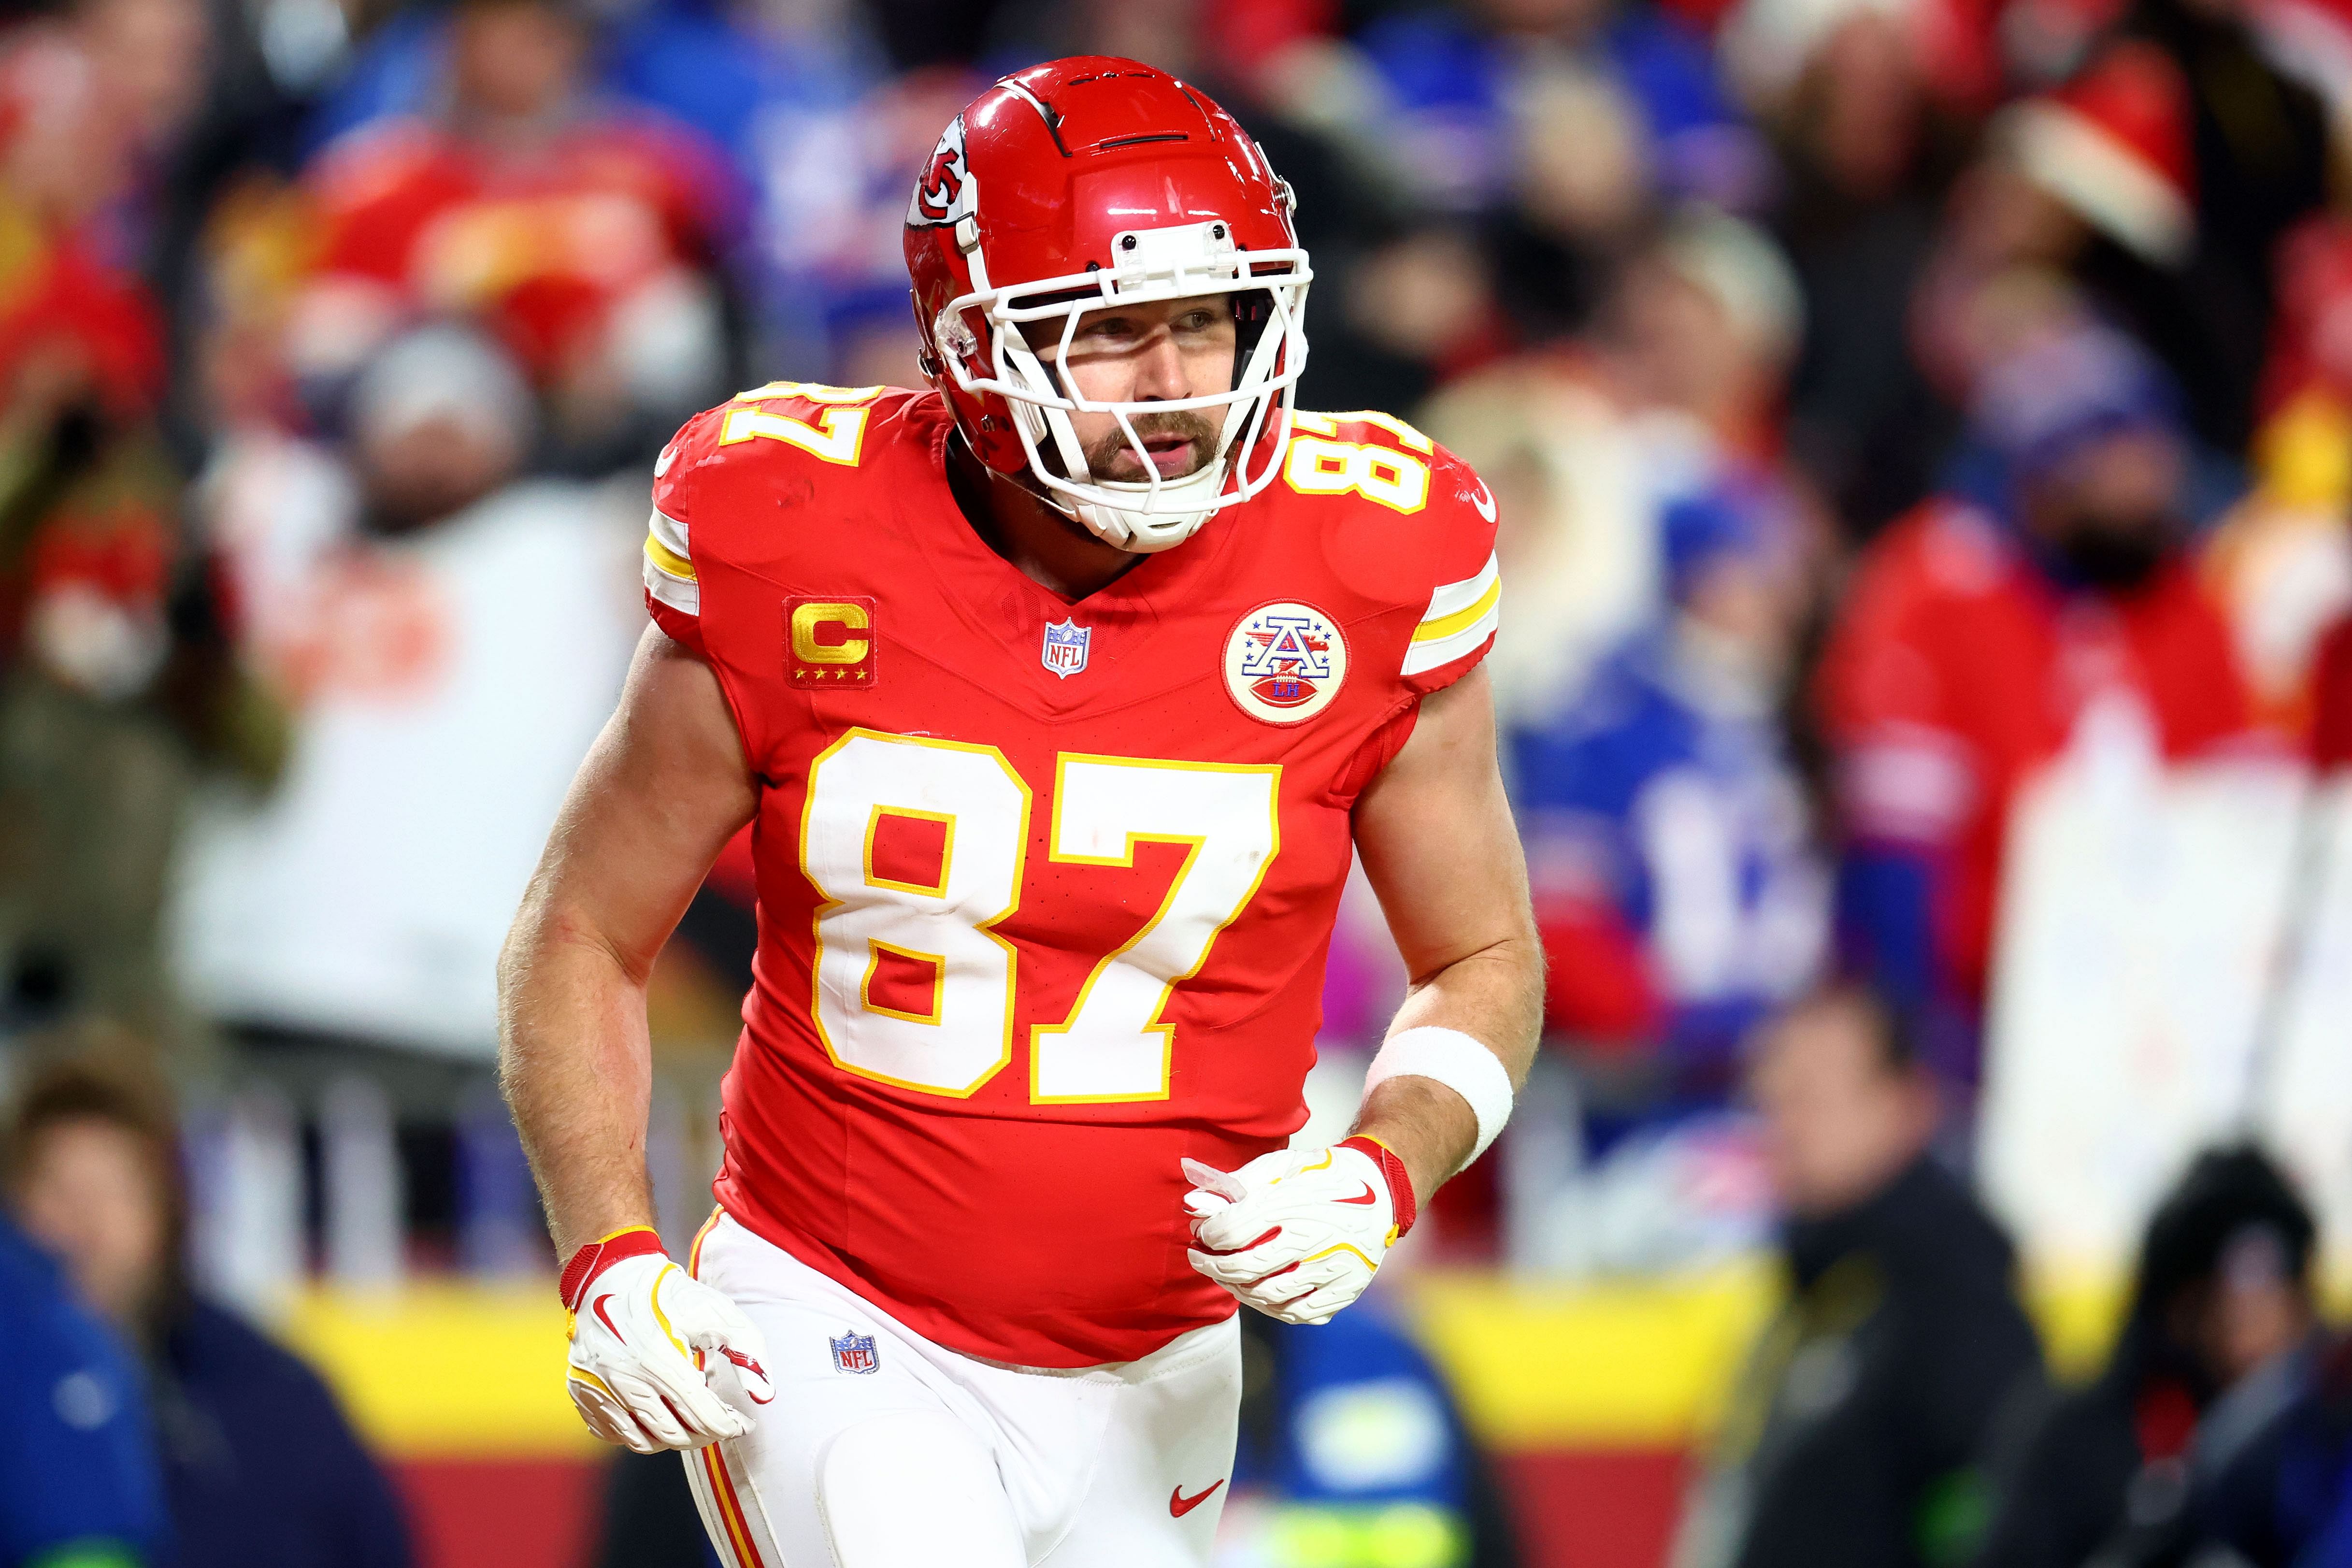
1884,399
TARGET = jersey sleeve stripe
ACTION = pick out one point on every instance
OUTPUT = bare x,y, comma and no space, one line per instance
668,560
1425,656
684,595
670,574
1461,616
666,535
1457,606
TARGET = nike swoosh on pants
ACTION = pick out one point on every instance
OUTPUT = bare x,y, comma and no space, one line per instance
1179,1505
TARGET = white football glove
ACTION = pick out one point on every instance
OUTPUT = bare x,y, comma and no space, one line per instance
1297,1234
640,1327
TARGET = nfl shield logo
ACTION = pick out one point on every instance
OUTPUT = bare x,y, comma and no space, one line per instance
855,1352
1066,649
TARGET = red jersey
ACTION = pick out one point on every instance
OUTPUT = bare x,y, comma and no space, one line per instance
1045,887
1957,668
543,241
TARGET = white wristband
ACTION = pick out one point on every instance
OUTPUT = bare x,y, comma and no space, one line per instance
1455,1060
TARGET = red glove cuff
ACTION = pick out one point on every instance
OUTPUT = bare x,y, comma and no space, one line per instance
600,1255
1401,1200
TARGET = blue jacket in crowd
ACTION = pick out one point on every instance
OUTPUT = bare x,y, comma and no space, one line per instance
260,1466
77,1475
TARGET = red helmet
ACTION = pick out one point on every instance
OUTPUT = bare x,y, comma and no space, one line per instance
1079,182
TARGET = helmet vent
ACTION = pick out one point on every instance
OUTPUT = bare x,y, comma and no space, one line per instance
1139,141
1045,112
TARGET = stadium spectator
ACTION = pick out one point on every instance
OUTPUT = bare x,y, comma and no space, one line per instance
183,104
2279,1492
1675,393
115,685
1860,1425
831,175
717,67
818,133
2164,205
1353,1456
78,1482
584,238
451,638
1868,151
2047,586
1703,324
1667,833
108,91
2281,562
2261,146
1458,81
2217,1345
260,1471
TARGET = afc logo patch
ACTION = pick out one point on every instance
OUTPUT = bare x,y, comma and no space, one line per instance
855,1352
830,644
1285,662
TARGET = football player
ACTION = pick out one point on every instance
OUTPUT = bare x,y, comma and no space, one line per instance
1058,696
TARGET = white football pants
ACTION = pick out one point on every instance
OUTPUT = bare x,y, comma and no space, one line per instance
901,1454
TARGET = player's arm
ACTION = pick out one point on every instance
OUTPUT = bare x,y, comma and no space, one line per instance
1435,834
662,790
1298,1233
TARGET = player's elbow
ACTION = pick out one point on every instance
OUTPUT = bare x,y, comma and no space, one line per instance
556,949
526,938
1519,960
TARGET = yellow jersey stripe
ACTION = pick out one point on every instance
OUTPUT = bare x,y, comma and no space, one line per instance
668,560
1461,620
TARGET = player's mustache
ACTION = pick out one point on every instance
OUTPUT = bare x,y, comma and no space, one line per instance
1106,453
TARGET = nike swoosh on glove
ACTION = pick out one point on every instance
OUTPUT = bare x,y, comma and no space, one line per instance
641,1329
1298,1233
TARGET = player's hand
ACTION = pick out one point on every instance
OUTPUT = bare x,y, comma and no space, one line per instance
1298,1233
642,1330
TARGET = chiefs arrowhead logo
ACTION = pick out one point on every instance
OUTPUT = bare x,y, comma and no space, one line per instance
943,193
942,182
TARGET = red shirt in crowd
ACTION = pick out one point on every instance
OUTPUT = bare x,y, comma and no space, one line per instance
543,241
1958,668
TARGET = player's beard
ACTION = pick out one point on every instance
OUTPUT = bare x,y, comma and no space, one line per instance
1112,458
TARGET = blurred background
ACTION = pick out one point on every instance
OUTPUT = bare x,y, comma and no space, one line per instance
1923,435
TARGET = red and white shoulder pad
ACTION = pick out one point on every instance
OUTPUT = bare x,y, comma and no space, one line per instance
1449,553
826,423
1456,629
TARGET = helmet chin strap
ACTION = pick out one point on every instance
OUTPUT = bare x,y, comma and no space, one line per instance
1176,508
1183,504
1148,533
1137,532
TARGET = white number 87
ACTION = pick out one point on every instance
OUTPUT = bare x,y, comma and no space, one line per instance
1112,1046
